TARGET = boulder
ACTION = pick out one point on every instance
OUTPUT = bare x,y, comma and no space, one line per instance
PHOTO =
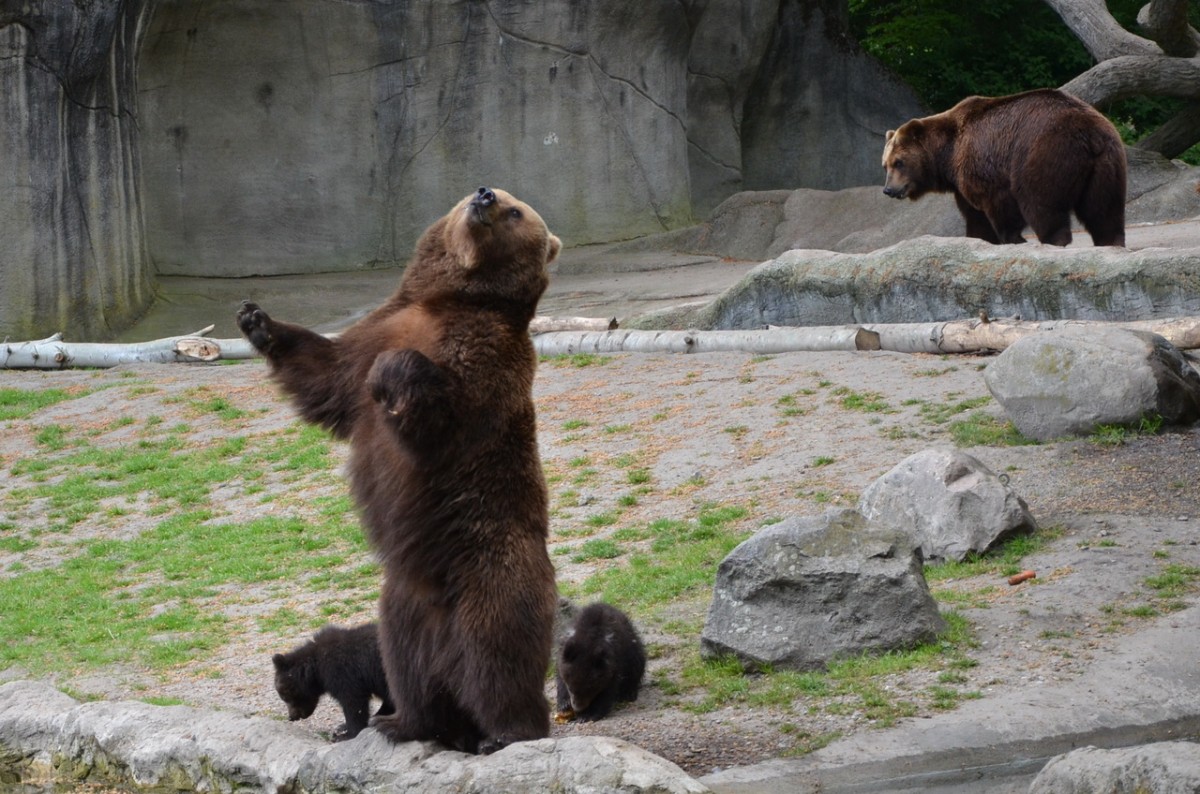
933,279
1162,768
1070,381
810,590
46,736
952,503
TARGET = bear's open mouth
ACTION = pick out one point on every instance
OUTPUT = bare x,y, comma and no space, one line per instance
480,213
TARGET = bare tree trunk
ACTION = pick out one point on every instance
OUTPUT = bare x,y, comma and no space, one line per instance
1166,22
1177,135
1165,64
1134,75
1099,33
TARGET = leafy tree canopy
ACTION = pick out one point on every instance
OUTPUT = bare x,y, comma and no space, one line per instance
950,49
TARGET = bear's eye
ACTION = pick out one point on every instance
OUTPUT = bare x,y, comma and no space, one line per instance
514,213
898,164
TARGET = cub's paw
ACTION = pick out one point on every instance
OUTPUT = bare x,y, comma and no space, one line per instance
400,378
255,325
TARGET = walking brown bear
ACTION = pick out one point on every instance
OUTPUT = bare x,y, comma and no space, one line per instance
434,392
1026,159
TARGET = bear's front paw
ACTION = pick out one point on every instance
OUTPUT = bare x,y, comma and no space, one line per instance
255,325
399,378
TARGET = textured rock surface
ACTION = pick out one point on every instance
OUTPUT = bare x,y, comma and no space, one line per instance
1162,768
46,735
1068,382
934,279
73,257
312,135
948,500
251,137
809,590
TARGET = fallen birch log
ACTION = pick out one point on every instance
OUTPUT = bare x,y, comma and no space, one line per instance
545,325
54,353
780,340
956,336
977,336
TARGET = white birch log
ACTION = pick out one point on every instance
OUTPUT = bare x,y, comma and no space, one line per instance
53,353
956,336
545,325
782,340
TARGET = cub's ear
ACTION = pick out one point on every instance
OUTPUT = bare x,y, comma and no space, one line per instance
553,246
280,661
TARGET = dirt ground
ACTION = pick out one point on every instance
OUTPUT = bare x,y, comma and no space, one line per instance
770,434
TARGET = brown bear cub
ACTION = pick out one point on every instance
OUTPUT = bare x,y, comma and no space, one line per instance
434,390
343,663
600,662
1028,159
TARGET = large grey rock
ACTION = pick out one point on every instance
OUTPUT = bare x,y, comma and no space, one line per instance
934,279
73,256
1162,768
310,136
48,736
810,590
1067,382
949,501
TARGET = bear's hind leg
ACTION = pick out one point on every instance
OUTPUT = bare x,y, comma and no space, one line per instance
1052,225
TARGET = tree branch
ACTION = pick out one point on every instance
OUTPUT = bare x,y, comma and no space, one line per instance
1166,22
1177,135
1099,33
1132,75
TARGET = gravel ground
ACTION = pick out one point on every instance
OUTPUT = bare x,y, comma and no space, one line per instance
773,435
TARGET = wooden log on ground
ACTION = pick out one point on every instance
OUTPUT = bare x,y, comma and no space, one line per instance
957,336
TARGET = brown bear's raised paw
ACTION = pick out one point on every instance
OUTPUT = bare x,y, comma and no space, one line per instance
254,325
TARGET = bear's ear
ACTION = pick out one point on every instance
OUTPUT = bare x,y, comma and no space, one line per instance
914,130
887,136
280,661
553,246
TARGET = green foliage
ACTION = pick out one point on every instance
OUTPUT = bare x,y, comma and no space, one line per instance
947,50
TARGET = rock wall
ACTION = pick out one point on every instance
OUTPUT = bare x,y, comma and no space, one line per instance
73,257
252,137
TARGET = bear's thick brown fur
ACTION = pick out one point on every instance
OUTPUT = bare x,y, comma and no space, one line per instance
434,391
1026,159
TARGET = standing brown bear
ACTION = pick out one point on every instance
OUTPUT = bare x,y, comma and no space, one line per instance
434,391
1026,159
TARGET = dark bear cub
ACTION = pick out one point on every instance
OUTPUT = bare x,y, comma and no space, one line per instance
600,662
344,663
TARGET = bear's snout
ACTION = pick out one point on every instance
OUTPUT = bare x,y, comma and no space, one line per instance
893,192
484,197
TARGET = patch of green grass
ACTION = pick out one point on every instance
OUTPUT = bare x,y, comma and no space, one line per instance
1174,581
737,431
867,402
577,360
822,460
981,429
638,476
597,549
1116,435
21,403
682,559
846,686
1003,560
575,424
941,413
